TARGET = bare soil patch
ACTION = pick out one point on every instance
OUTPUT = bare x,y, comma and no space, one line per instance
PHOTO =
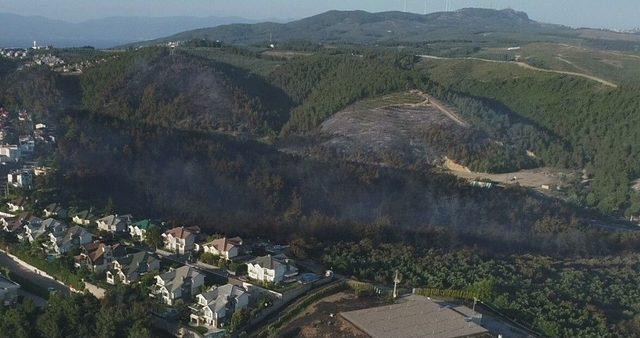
375,129
321,318
533,178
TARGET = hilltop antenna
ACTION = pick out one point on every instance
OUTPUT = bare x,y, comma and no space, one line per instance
425,7
405,6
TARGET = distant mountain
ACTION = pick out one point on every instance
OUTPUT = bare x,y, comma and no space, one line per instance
21,31
363,27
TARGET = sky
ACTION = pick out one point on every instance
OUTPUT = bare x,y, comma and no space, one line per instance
614,14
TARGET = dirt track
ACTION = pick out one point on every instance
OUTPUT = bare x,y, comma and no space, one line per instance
532,178
530,67
449,112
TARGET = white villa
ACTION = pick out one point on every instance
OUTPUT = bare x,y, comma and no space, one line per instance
113,223
72,238
272,269
177,284
129,269
138,230
180,239
216,306
224,247
83,218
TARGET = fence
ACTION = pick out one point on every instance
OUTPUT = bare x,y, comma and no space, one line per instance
302,304
445,293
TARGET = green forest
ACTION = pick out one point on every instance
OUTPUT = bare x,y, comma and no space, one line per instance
594,297
185,136
600,125
122,313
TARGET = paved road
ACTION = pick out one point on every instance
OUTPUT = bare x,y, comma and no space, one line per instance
40,280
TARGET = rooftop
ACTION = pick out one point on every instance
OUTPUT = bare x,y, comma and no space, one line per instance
144,224
416,316
182,232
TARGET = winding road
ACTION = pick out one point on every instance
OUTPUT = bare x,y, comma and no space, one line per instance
528,66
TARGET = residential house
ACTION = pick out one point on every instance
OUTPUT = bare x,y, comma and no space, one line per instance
130,268
138,230
55,210
97,256
72,238
215,307
223,247
10,153
272,269
34,227
41,171
17,204
20,178
27,144
180,239
11,223
177,284
113,223
83,218
8,291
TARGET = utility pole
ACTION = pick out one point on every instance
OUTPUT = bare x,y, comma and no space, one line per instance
396,281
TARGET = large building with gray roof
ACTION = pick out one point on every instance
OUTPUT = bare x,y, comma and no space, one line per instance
417,316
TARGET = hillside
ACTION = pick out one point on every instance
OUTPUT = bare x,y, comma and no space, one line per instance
469,24
175,90
599,124
365,27
613,66
513,110
415,129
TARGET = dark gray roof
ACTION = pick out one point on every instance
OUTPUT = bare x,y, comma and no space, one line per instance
220,297
268,262
85,214
174,279
415,316
138,263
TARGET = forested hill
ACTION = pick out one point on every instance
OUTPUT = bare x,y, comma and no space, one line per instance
469,24
176,89
170,89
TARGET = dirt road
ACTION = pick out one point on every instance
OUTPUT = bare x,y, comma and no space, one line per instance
449,112
532,178
530,67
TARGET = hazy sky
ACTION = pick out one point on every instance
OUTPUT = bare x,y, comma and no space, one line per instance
593,13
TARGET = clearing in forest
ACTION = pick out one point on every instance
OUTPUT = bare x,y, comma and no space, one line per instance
391,126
